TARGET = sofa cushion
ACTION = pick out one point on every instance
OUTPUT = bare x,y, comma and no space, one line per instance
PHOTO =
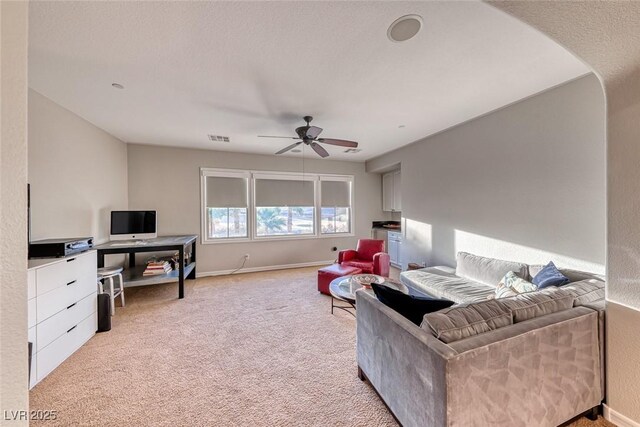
549,276
585,291
365,266
463,321
534,304
486,270
412,307
572,275
441,282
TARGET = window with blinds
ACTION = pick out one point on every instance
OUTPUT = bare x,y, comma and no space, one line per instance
284,206
246,205
335,205
226,205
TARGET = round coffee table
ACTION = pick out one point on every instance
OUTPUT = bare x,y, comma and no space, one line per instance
342,289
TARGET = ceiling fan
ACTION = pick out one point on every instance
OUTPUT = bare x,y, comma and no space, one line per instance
309,135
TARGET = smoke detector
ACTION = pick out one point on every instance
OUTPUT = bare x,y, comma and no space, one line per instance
218,138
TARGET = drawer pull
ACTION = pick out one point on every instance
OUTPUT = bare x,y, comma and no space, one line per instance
71,282
71,259
71,305
71,329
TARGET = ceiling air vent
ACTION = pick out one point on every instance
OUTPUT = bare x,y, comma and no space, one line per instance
352,150
218,138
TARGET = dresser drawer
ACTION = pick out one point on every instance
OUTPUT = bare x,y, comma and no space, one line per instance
58,324
60,298
55,353
31,284
31,313
68,270
33,378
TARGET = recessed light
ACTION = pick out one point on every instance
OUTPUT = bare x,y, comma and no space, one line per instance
117,85
404,28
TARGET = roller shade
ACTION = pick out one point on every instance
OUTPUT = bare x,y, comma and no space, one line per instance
224,192
335,194
282,192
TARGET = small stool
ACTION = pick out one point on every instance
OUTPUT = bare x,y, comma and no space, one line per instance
327,274
108,273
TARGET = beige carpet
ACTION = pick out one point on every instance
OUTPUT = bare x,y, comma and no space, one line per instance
258,349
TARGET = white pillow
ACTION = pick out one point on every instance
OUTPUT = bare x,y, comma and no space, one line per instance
511,285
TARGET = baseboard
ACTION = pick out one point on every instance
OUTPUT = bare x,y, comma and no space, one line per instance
617,418
264,268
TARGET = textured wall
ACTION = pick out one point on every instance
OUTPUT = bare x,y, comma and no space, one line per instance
77,172
13,206
605,35
524,183
168,179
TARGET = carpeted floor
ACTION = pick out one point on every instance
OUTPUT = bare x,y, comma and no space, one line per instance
258,349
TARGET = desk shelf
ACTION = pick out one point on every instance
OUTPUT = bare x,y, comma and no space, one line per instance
133,276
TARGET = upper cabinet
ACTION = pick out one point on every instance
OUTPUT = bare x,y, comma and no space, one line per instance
391,192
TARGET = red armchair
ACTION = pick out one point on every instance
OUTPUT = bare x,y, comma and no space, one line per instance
369,256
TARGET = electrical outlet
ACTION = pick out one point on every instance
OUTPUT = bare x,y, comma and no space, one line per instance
246,256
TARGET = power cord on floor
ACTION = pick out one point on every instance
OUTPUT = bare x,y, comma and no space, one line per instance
244,261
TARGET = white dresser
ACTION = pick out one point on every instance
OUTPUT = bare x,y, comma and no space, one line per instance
62,302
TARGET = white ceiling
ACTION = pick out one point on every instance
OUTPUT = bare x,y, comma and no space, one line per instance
243,69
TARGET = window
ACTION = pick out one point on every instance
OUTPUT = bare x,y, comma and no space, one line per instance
335,216
226,196
245,205
284,205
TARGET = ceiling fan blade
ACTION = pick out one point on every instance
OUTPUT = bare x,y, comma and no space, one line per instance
294,145
340,142
313,132
284,137
318,149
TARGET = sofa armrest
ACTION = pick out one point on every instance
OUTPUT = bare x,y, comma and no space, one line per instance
381,262
550,362
404,363
346,255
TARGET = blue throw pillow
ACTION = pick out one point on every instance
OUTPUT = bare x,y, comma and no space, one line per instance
549,276
412,307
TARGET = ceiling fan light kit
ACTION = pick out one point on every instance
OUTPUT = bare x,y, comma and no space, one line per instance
309,135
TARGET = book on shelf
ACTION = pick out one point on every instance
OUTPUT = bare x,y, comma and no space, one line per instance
155,267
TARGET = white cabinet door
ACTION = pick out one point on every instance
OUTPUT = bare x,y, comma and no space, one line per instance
387,192
393,250
397,191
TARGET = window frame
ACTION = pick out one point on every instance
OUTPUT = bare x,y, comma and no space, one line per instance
251,176
284,176
221,173
340,178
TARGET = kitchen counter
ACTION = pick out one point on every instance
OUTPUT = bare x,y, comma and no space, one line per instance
386,225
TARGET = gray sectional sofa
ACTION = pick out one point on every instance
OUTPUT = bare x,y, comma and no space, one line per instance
535,359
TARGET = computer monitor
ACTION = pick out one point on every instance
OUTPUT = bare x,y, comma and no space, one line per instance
127,225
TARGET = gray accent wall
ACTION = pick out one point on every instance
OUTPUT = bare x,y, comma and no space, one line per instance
168,180
77,172
524,183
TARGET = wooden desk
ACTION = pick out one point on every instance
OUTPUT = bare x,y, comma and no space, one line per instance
133,275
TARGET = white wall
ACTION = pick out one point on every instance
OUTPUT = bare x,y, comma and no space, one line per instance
13,206
525,183
579,27
168,180
77,172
